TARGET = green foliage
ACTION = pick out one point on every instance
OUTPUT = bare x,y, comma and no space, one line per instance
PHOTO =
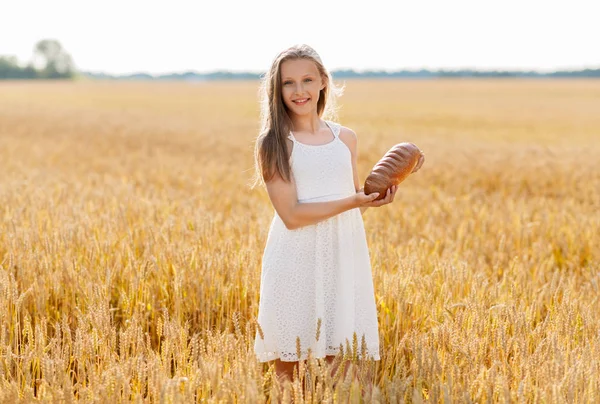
55,61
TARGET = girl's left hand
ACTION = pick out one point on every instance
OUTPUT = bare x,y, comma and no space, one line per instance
389,197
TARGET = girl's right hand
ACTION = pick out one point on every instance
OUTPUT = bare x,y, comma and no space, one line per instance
369,200
363,200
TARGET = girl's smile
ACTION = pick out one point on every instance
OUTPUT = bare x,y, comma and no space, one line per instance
302,101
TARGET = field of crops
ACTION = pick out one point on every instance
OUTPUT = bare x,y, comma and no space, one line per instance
131,243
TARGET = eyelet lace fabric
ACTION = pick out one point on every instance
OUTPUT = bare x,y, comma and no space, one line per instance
321,271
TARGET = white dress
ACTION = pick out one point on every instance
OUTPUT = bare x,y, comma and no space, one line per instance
317,271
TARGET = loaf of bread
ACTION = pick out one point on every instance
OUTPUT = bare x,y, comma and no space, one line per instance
393,168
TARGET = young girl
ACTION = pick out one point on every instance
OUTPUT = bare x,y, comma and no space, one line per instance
316,282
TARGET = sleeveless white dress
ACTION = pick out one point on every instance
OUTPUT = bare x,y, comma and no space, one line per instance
320,271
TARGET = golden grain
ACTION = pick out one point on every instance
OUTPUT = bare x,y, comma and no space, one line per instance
130,244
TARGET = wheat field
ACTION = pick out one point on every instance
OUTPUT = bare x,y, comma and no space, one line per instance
131,243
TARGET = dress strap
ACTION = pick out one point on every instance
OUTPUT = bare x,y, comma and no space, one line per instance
291,137
335,128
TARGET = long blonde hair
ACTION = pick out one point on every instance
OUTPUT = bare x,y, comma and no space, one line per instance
270,148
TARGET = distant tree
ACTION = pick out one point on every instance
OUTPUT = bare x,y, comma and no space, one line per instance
54,60
9,67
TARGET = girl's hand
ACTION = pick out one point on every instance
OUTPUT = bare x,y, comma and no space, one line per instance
367,201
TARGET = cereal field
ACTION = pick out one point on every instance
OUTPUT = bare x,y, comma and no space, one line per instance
131,243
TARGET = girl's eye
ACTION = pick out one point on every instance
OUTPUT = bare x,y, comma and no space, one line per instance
285,83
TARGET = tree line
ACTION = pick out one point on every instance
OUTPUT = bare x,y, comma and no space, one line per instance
49,61
352,74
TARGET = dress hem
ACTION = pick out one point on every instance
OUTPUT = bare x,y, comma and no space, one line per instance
271,356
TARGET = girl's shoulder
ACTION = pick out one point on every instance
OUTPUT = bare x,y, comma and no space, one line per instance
342,131
340,128
346,135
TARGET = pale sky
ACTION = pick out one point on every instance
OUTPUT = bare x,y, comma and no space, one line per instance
157,37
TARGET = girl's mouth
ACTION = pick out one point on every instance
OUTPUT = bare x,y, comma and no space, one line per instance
301,101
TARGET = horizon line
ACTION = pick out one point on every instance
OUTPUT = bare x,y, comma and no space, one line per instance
356,70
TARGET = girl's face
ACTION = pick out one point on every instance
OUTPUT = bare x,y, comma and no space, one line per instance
301,84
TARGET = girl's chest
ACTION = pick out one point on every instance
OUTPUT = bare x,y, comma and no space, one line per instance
321,161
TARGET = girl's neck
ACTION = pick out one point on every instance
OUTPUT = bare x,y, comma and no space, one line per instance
306,124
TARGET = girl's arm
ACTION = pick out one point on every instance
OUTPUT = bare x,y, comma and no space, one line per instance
351,140
295,214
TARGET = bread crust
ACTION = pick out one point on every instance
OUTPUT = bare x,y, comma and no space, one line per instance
393,168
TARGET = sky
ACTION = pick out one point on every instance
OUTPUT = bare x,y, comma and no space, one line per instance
127,36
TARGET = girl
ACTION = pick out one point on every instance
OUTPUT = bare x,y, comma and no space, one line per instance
316,284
